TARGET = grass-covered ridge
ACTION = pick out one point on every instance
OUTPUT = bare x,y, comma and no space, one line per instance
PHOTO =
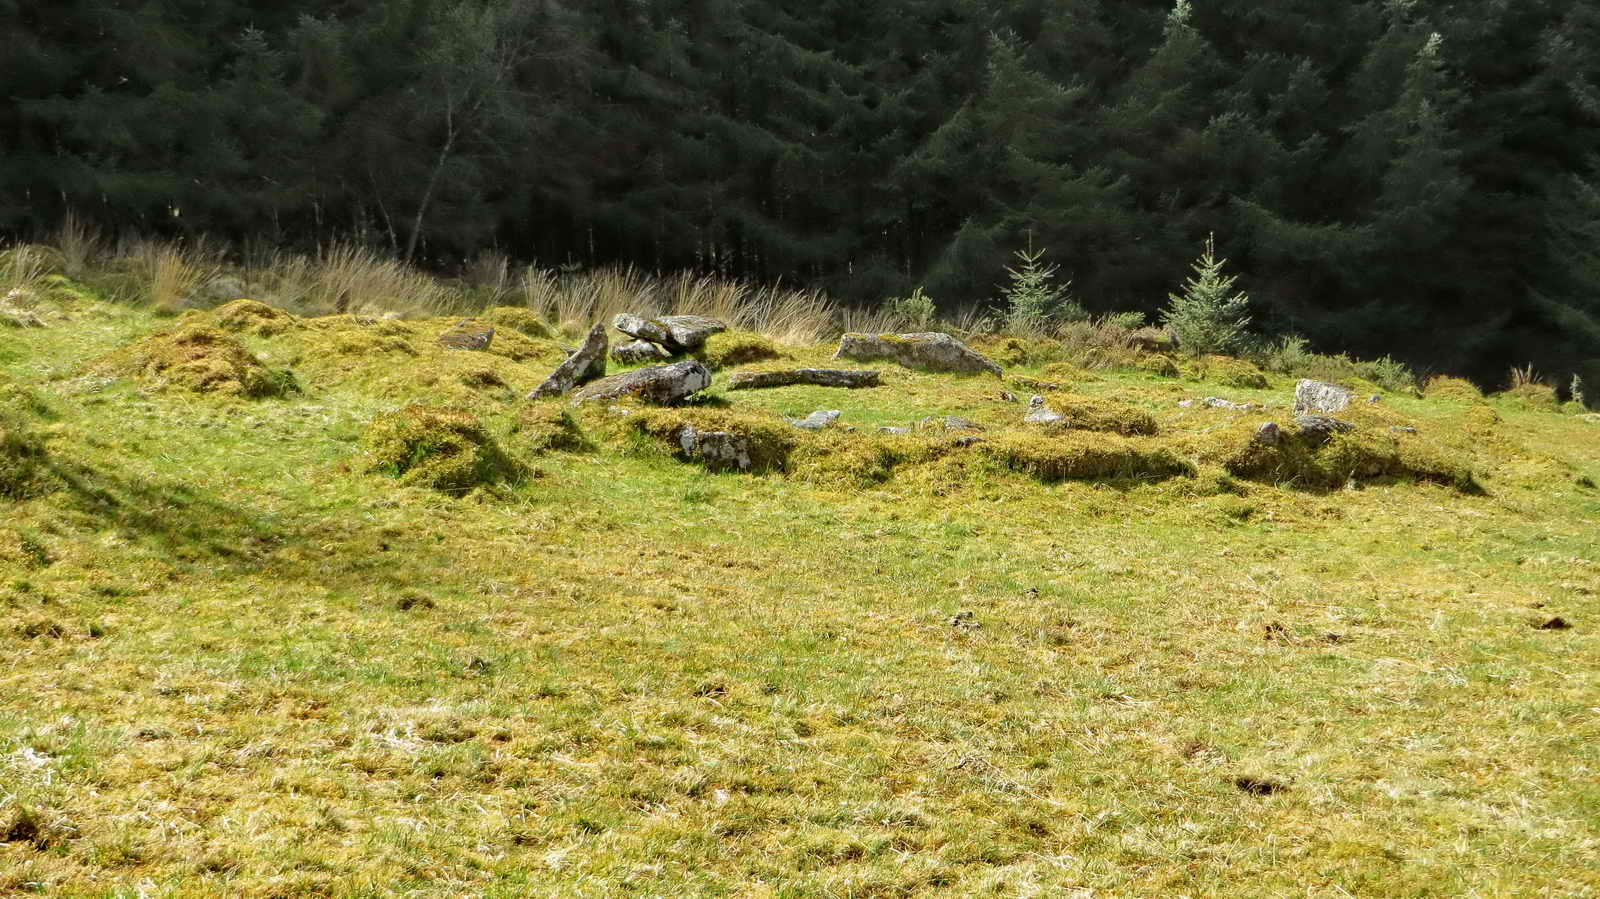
387,627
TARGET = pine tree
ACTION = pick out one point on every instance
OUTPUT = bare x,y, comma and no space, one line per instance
1208,317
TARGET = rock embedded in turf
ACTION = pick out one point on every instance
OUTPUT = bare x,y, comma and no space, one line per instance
689,332
817,420
468,334
1212,402
578,367
820,377
1319,429
929,350
718,449
1041,414
1269,434
659,384
1320,397
638,351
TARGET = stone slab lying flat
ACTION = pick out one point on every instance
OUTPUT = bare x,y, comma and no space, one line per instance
821,377
929,350
659,384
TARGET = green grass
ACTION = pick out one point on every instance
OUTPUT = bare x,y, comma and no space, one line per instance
252,667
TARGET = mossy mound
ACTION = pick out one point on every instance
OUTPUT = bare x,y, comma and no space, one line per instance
1157,365
520,319
24,462
1073,455
1068,373
1227,371
200,359
1087,413
1368,453
1444,387
1533,396
1014,352
448,450
252,317
755,441
547,427
835,458
727,348
349,335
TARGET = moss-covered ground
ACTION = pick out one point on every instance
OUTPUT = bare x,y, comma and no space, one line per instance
243,655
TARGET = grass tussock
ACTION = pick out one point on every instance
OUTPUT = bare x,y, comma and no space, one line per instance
198,359
448,450
24,463
1444,387
547,426
1227,371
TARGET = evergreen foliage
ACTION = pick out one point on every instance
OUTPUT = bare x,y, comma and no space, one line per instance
1208,317
1033,300
1397,177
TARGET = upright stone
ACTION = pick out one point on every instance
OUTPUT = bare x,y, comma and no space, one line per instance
586,362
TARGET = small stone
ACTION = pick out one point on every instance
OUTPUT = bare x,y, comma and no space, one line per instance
894,429
1007,396
1040,414
1402,429
817,420
957,423
1268,434
965,442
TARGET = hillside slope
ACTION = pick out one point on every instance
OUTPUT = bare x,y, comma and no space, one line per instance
244,654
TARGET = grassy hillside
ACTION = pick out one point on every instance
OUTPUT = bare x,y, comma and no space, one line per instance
243,654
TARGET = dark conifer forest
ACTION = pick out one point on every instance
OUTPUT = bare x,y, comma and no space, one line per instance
1412,177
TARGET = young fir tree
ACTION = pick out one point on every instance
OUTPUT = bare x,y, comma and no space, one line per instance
1034,300
1208,317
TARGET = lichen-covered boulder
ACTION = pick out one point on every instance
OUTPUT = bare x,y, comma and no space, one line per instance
582,364
468,334
930,350
1320,397
820,377
640,328
659,384
638,351
690,332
